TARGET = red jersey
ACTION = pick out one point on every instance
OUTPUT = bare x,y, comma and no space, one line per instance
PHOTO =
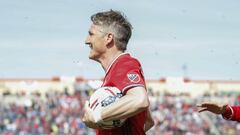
232,113
125,72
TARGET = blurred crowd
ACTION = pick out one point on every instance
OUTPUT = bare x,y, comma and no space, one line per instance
55,114
60,114
178,115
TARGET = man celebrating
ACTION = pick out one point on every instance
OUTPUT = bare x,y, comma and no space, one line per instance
108,38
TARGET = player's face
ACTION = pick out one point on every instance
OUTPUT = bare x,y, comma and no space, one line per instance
95,40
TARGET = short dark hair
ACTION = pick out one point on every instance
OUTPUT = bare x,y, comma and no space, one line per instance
117,23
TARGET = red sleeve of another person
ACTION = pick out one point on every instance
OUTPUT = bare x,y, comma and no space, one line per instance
236,113
232,113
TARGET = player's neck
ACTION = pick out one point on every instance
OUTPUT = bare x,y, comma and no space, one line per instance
109,58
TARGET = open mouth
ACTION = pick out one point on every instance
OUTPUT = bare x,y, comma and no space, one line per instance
90,45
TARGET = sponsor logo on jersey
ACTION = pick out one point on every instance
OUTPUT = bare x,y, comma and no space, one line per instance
133,77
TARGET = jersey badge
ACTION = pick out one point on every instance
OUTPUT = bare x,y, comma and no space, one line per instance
133,77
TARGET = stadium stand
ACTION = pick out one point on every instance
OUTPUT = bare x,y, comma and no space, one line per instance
58,110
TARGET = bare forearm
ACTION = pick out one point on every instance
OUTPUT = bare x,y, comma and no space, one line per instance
127,106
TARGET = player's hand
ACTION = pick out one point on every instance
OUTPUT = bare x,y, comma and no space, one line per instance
211,107
88,117
149,123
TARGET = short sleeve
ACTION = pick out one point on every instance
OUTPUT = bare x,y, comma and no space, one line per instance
128,75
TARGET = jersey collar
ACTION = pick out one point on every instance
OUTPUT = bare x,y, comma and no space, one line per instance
115,60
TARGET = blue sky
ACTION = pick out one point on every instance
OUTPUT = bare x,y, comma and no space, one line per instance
45,38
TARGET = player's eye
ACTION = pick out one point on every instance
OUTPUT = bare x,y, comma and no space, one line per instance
90,33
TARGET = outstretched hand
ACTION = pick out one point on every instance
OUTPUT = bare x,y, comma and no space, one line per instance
211,107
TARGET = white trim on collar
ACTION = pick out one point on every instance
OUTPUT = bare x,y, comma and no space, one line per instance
114,61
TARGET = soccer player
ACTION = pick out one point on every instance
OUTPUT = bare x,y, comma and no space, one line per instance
228,112
108,37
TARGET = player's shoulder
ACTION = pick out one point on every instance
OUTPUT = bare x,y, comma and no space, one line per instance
127,59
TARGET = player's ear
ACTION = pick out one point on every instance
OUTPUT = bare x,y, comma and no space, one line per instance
109,38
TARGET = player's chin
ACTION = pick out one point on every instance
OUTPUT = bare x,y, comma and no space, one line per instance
93,57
